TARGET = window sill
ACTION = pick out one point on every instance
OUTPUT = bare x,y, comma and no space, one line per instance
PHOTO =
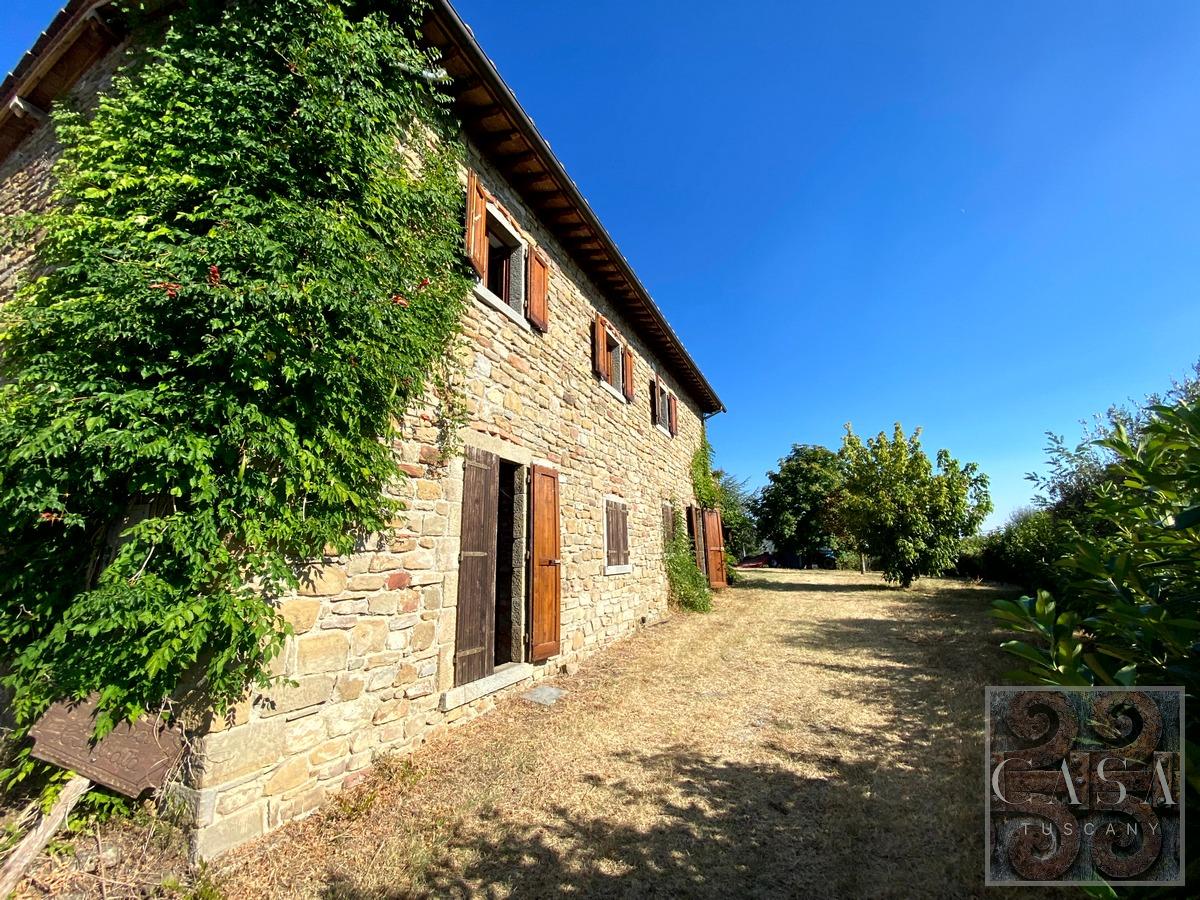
664,431
612,390
483,294
618,570
505,676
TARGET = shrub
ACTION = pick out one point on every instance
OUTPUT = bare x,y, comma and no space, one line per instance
1130,609
688,586
1025,551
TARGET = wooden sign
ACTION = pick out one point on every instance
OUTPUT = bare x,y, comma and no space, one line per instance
131,759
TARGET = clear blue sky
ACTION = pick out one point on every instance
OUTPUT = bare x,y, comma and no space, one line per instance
982,218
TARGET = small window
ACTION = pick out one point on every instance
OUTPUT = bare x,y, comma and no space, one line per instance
616,362
616,537
668,513
663,407
612,359
505,275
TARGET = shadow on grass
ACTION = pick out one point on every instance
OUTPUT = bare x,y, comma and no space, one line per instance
711,828
758,583
890,807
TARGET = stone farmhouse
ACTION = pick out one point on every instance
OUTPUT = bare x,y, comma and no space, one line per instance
537,544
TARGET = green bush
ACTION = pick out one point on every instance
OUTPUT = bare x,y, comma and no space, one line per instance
1130,608
1024,552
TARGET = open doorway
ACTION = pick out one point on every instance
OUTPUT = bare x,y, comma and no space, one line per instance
491,621
508,637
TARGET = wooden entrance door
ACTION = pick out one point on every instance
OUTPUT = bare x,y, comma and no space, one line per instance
474,653
545,566
714,548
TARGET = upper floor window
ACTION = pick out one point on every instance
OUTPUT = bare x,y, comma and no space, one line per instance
664,408
513,277
504,275
612,359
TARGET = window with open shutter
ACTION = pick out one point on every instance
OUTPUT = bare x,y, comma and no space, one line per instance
612,359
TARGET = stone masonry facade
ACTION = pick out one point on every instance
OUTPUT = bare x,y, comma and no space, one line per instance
370,669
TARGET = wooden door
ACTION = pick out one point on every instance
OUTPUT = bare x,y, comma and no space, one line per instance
474,653
545,566
714,548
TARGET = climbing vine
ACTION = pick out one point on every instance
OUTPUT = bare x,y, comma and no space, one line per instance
704,484
688,586
244,282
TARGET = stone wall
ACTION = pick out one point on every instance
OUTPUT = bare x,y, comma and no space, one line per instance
371,663
25,182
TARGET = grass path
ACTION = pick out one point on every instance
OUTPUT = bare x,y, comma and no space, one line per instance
818,734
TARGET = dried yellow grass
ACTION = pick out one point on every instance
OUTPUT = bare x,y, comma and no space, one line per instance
819,734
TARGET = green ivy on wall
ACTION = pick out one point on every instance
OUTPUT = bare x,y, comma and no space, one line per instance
688,586
248,276
704,484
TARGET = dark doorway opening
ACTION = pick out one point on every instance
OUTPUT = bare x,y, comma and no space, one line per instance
509,560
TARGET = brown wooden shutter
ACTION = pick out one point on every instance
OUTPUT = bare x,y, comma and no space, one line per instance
628,367
477,242
654,400
714,547
545,546
538,310
672,415
600,360
624,535
474,657
612,544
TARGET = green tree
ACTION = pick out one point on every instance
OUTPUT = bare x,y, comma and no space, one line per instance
797,510
733,499
252,267
904,513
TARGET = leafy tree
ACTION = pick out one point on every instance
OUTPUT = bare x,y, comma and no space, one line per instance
797,509
909,517
733,499
1077,473
244,282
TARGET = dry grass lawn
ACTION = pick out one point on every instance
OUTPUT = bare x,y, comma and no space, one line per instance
819,734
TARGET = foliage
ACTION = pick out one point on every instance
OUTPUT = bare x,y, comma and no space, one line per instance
734,501
1131,611
688,586
704,483
903,512
797,510
1025,551
242,285
1076,473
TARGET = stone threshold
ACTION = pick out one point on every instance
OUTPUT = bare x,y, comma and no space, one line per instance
504,676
